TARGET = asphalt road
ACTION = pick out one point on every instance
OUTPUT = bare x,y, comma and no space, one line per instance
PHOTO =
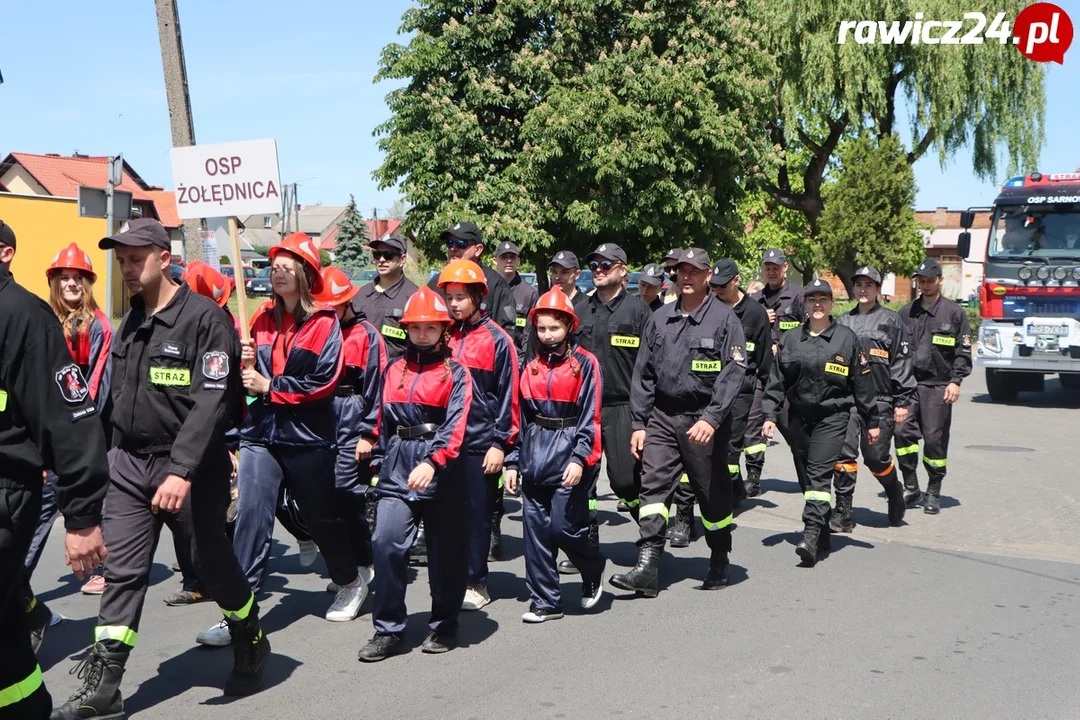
972,613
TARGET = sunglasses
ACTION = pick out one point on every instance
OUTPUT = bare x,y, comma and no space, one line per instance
385,255
458,244
602,265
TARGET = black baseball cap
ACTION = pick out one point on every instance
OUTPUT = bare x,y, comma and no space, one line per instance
464,230
673,256
7,235
696,257
393,242
566,259
818,287
724,272
608,251
507,248
140,232
652,274
773,256
928,268
867,271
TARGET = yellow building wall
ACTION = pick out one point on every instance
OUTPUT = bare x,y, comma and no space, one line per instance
43,227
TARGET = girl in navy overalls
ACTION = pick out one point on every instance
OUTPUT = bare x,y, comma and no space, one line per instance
557,456
478,342
289,432
425,408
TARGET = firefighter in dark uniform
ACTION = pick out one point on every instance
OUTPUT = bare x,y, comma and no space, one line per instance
175,393
507,261
783,301
382,301
464,242
650,283
940,338
47,419
688,373
819,373
726,282
883,340
611,326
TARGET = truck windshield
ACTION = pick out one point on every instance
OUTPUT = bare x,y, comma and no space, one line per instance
1043,231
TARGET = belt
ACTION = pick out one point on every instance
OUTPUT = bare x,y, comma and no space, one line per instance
417,431
345,390
147,446
555,423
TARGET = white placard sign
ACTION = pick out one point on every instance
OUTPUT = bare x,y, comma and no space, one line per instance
226,179
211,254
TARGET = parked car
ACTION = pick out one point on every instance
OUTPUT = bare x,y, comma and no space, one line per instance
360,278
529,278
260,284
632,287
177,272
585,282
230,272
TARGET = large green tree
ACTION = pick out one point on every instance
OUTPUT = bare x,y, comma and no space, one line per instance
869,216
351,239
987,96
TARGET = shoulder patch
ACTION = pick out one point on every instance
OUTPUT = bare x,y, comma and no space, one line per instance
73,387
215,365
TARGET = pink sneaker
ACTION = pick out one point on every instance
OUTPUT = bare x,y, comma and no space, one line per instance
94,586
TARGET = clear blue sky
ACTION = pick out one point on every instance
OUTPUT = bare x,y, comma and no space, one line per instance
87,76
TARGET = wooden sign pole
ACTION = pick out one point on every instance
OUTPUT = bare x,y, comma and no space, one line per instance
238,271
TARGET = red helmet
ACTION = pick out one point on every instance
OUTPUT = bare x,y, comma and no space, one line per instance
208,282
303,247
555,300
337,288
465,272
425,306
72,258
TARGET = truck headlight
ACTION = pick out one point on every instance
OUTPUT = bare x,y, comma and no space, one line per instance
1024,273
1060,273
991,339
1076,273
1043,273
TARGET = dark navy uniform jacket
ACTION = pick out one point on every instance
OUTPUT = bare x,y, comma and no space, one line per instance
612,331
383,309
359,391
566,388
788,304
421,389
885,343
488,351
940,341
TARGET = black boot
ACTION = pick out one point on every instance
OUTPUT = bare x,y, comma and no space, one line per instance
912,494
418,554
621,506
682,527
251,650
643,578
99,697
567,568
495,549
807,550
895,492
753,482
931,504
717,577
38,617
841,516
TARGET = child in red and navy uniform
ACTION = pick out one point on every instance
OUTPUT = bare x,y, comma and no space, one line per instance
556,457
480,344
425,409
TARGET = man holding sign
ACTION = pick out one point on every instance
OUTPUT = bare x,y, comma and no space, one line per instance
176,391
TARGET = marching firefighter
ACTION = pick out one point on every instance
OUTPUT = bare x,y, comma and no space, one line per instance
426,398
175,391
819,373
292,366
687,375
650,283
611,324
465,242
481,345
940,337
356,407
45,412
507,261
884,341
382,301
726,282
89,334
558,455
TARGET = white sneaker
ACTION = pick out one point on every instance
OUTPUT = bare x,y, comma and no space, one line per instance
367,574
309,552
589,601
476,597
539,616
217,636
347,602
333,587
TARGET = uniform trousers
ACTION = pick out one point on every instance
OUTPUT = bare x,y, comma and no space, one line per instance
816,445
876,454
929,419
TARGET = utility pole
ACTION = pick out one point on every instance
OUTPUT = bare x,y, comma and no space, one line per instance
176,92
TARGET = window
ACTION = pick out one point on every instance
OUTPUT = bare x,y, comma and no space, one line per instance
267,222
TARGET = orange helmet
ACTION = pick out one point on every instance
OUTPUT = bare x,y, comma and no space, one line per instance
303,247
425,306
72,258
208,282
555,300
337,288
465,272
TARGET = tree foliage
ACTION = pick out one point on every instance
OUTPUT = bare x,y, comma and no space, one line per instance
351,239
869,217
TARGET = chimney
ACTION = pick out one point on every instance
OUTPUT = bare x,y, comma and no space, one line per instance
941,217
